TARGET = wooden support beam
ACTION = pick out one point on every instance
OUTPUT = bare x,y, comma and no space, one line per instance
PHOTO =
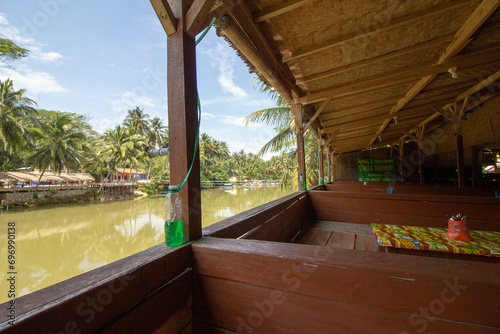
328,170
366,62
165,15
475,99
183,123
318,112
485,9
462,38
329,140
278,9
401,150
320,161
301,172
460,161
476,168
392,23
401,76
195,17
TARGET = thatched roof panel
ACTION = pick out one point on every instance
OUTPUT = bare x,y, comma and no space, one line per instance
372,46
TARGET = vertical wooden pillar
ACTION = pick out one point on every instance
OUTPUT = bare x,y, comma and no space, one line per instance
460,161
183,122
476,169
401,157
334,167
320,162
299,109
329,171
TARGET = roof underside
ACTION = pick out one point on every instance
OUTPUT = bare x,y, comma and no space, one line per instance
373,72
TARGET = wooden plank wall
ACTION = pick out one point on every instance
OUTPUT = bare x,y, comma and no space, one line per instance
147,292
250,286
402,209
278,220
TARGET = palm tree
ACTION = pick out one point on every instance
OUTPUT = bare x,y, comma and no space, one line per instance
281,117
16,111
59,144
137,120
117,147
158,133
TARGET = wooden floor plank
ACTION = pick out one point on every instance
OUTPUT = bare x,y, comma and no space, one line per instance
363,229
316,237
342,240
367,243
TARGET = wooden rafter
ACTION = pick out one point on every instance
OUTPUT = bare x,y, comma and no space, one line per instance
473,101
279,9
400,76
165,15
195,16
470,96
376,28
419,110
462,38
371,61
316,114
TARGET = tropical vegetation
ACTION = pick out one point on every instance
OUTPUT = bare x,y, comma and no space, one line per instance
64,141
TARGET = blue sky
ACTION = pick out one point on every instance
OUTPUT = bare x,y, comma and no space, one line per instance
101,58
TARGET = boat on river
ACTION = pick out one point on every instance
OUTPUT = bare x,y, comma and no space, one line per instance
372,80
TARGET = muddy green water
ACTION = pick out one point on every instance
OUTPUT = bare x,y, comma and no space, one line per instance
57,243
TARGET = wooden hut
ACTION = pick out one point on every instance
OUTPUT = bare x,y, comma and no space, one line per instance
359,74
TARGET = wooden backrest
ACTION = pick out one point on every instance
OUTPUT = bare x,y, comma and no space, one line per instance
404,209
250,286
402,188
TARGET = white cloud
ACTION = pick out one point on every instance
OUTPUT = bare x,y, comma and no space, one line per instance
29,43
207,115
224,61
3,20
33,81
239,121
103,124
128,100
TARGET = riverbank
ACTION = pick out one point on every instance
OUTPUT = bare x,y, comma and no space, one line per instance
29,197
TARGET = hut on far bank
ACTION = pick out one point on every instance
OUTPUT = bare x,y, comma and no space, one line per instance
8,179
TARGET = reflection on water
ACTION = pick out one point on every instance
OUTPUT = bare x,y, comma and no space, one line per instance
56,243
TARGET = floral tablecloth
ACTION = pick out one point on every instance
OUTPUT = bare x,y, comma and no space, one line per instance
486,243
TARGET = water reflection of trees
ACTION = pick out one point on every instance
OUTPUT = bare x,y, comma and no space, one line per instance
54,250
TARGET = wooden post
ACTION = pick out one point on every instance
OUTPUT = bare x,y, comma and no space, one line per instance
401,157
334,165
320,161
329,171
476,169
183,121
299,109
460,161
420,137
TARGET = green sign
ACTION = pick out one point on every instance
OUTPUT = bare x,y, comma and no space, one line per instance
376,170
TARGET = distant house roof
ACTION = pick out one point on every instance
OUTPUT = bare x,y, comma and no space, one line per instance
130,171
48,176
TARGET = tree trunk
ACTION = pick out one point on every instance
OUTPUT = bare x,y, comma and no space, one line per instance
38,182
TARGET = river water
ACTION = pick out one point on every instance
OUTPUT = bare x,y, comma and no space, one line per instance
57,243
